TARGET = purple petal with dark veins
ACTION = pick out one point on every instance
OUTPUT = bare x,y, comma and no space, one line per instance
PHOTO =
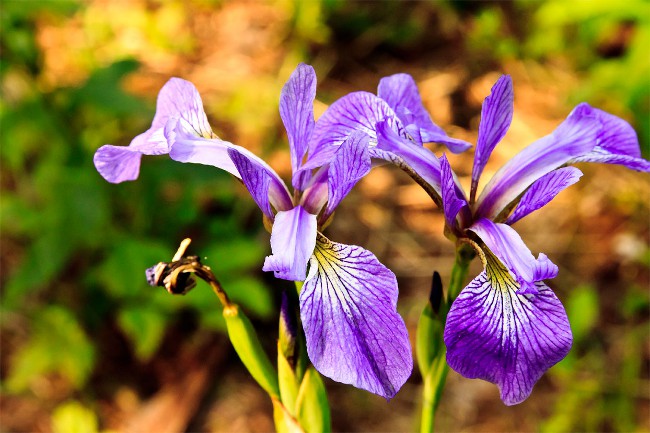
179,100
496,116
493,333
617,143
351,162
543,191
453,200
575,136
402,95
506,245
261,184
357,111
297,112
293,238
348,310
419,158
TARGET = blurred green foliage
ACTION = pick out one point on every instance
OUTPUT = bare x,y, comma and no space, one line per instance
74,248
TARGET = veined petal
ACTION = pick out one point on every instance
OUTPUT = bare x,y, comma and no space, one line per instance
493,333
262,183
351,162
402,95
453,199
508,248
348,310
496,116
576,136
297,112
617,143
543,191
420,159
293,239
178,100
357,111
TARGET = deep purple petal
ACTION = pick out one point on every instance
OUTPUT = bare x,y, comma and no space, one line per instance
506,245
453,199
358,111
493,333
420,159
348,310
293,238
496,116
262,183
351,162
543,191
402,95
576,136
297,112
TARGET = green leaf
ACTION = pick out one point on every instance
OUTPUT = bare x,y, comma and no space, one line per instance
73,417
58,345
582,309
145,328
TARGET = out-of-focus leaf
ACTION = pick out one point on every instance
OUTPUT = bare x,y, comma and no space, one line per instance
73,417
58,344
582,309
145,327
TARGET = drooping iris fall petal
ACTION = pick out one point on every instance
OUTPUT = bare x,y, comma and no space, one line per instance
348,310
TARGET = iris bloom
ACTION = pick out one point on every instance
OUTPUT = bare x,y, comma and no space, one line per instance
506,326
348,301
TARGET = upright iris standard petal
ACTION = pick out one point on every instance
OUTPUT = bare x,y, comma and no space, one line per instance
297,112
493,333
357,111
496,116
402,95
575,136
453,200
293,239
262,183
617,143
351,162
179,100
543,191
348,310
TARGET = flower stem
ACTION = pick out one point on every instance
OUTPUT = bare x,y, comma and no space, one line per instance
436,371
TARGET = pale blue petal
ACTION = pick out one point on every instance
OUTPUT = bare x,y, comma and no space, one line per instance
293,238
348,310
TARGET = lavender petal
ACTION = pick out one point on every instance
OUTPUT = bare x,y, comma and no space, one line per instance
293,239
543,191
348,310
496,116
453,200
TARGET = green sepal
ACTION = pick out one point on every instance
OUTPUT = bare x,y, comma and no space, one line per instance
312,407
284,422
244,339
288,383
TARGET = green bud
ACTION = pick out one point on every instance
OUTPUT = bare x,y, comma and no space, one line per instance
244,339
429,338
284,422
312,406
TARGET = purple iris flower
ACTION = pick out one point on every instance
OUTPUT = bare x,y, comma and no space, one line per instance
507,326
348,301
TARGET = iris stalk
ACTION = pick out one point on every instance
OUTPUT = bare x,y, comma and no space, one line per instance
436,372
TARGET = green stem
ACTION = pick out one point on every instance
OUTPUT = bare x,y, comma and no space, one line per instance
434,380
